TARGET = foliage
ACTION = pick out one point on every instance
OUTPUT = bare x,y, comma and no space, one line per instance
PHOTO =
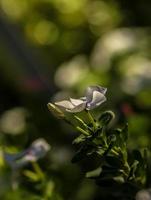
117,165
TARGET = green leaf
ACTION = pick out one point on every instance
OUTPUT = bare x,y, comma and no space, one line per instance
106,182
133,169
113,161
97,133
108,149
109,176
100,151
119,179
95,173
31,175
85,151
106,117
82,130
81,154
82,123
49,189
112,138
79,139
119,139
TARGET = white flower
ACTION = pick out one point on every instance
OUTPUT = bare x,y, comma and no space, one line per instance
37,150
95,96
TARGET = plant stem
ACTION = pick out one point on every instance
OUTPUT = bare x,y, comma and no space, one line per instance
77,127
82,131
114,152
38,170
91,119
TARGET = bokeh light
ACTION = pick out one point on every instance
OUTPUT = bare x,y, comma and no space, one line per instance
13,121
43,32
15,10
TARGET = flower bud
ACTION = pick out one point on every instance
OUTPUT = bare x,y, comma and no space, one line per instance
55,111
106,117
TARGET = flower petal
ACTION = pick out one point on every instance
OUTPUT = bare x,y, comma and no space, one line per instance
55,111
15,159
103,90
78,108
76,102
39,148
91,89
97,99
83,98
65,104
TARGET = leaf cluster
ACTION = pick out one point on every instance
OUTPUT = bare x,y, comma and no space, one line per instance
117,164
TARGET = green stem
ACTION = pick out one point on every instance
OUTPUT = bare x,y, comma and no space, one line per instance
81,121
42,177
76,127
91,119
38,170
114,152
82,131
83,124
127,167
124,173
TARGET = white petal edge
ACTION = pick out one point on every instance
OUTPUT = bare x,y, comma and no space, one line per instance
40,142
76,102
91,89
78,108
104,90
65,104
97,99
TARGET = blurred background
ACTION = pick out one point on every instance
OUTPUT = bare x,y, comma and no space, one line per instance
52,49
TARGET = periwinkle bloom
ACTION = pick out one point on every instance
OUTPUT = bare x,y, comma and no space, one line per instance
37,150
94,96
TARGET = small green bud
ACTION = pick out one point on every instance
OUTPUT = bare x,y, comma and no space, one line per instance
55,111
94,174
119,179
112,138
106,117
